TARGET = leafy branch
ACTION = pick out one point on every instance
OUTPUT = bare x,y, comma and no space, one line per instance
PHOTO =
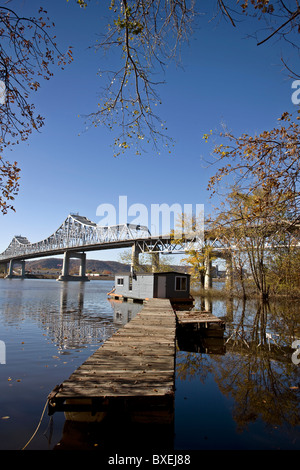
148,34
26,53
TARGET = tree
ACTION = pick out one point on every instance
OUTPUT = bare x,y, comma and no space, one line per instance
281,19
27,52
147,34
9,184
283,274
146,262
252,225
269,160
198,253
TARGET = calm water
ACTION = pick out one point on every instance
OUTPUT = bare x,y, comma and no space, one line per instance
241,392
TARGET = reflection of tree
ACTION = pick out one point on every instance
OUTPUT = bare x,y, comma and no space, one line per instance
271,325
260,388
257,371
261,377
191,365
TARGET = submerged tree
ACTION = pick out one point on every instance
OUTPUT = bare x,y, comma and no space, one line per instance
253,225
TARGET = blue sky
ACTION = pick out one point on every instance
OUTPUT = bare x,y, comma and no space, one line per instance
225,77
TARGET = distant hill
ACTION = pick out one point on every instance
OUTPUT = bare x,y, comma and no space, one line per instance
93,265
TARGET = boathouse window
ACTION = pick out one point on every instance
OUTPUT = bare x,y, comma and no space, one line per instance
120,281
180,283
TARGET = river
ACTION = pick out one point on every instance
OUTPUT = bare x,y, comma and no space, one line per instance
239,392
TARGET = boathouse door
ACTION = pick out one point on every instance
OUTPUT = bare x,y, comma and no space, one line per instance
161,286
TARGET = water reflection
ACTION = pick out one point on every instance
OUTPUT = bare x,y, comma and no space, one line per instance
72,315
77,306
124,311
256,374
240,391
117,435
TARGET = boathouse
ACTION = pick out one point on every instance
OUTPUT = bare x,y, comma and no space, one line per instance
164,285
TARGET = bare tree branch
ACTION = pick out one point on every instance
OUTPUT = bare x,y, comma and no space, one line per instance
26,53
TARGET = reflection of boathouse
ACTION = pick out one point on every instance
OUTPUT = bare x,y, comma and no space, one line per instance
166,285
124,311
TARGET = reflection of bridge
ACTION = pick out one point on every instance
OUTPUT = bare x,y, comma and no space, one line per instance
77,235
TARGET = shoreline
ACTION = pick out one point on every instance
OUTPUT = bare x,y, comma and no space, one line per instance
212,293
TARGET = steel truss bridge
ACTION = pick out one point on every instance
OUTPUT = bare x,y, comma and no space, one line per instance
78,235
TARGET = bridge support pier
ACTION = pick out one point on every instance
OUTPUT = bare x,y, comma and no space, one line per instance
155,262
208,273
11,267
135,264
65,276
229,272
135,258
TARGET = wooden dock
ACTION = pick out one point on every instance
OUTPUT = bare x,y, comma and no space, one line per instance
200,320
133,371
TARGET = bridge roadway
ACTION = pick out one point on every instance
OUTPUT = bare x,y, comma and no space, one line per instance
133,372
83,248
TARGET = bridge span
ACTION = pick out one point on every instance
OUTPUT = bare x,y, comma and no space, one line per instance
78,235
